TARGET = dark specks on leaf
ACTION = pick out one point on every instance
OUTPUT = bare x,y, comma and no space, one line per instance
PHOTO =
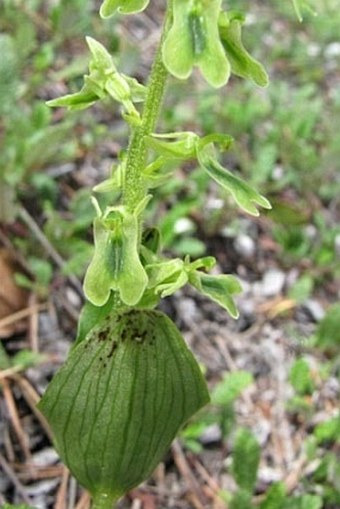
103,334
123,335
113,348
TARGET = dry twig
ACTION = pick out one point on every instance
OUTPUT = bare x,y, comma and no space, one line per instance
19,315
15,419
60,502
33,329
32,398
84,501
12,476
51,251
194,492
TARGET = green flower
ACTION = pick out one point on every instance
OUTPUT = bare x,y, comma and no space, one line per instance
241,62
109,7
104,80
194,40
116,264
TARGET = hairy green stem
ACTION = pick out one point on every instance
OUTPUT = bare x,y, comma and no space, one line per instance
134,186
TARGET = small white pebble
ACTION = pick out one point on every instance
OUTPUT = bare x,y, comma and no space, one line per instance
46,457
337,244
211,434
184,225
332,50
313,50
315,309
245,245
273,282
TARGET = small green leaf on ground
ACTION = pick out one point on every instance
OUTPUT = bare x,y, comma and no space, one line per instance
231,387
246,459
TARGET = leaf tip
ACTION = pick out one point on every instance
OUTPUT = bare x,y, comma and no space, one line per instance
265,203
263,79
53,103
104,12
234,313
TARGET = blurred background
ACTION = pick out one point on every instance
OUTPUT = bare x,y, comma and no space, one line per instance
271,437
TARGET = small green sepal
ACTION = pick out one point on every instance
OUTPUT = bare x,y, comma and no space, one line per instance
245,196
181,145
166,277
110,7
114,183
151,240
242,63
188,145
300,5
220,289
185,145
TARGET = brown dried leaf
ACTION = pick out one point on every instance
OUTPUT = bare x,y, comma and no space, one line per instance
12,298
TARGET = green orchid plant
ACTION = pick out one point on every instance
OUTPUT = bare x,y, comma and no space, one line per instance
130,382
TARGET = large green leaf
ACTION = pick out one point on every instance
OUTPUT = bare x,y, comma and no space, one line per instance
91,316
120,399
